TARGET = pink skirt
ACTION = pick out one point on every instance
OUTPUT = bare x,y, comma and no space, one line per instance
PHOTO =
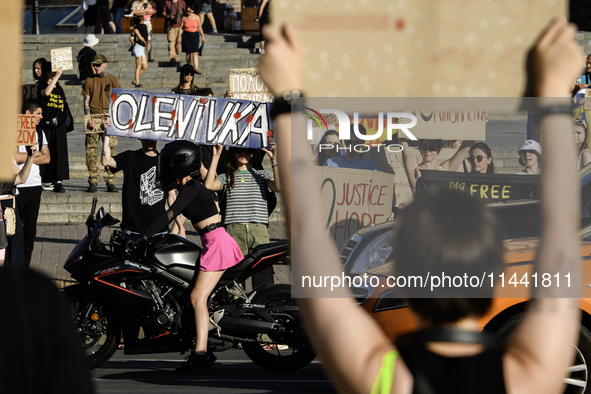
220,251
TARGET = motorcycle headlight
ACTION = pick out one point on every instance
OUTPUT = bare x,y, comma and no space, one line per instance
375,256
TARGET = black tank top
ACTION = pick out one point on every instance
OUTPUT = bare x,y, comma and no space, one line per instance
436,374
194,201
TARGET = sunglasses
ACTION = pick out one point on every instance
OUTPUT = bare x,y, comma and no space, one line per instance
428,147
580,122
476,159
241,151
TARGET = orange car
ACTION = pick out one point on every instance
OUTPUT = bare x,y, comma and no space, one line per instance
368,252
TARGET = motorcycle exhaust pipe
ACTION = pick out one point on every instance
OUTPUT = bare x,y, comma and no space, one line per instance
247,325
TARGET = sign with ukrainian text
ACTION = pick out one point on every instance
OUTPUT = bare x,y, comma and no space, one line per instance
247,84
61,57
490,188
203,120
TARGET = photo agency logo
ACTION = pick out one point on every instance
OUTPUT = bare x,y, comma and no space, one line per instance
353,135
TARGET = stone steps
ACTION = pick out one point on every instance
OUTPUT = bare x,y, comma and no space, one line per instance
74,206
221,53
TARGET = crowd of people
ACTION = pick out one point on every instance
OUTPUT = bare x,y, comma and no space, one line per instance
469,156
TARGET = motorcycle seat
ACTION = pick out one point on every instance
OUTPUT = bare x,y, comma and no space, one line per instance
268,253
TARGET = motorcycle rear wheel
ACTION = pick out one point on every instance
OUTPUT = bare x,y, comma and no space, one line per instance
100,334
286,351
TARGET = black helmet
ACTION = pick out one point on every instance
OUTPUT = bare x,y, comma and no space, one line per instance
177,160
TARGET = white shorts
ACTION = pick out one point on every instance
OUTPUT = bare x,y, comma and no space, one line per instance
139,51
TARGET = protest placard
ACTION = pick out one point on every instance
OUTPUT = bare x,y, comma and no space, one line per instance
355,199
98,121
433,124
61,57
26,130
204,120
28,91
247,84
490,188
419,48
587,104
10,30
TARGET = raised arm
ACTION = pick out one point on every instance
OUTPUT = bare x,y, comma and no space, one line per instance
52,82
273,183
349,342
453,163
108,160
211,183
541,349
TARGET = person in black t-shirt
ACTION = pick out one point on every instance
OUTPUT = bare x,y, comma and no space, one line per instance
143,201
55,124
140,34
85,57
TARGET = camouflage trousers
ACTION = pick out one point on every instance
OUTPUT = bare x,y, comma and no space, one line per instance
93,158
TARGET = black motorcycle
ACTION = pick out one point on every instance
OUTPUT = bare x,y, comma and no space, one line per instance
140,290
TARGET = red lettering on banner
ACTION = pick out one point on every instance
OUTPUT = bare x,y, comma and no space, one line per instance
353,222
365,219
382,193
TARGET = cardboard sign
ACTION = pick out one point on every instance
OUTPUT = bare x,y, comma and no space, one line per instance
10,79
26,130
99,123
204,120
355,199
247,84
28,91
447,125
587,104
61,57
419,48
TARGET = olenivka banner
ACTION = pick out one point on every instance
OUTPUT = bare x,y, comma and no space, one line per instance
204,120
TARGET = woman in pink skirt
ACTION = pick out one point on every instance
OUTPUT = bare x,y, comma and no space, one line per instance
180,163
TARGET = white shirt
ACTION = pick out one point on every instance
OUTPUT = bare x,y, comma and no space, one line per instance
34,178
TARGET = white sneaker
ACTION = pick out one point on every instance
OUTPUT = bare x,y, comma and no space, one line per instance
48,186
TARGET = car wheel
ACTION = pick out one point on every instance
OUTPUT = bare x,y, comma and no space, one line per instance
578,380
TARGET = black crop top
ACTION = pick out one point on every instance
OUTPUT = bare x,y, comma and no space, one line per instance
194,201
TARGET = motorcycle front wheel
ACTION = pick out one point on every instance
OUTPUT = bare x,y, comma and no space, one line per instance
98,327
283,351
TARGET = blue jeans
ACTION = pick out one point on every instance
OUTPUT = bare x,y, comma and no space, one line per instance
117,15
